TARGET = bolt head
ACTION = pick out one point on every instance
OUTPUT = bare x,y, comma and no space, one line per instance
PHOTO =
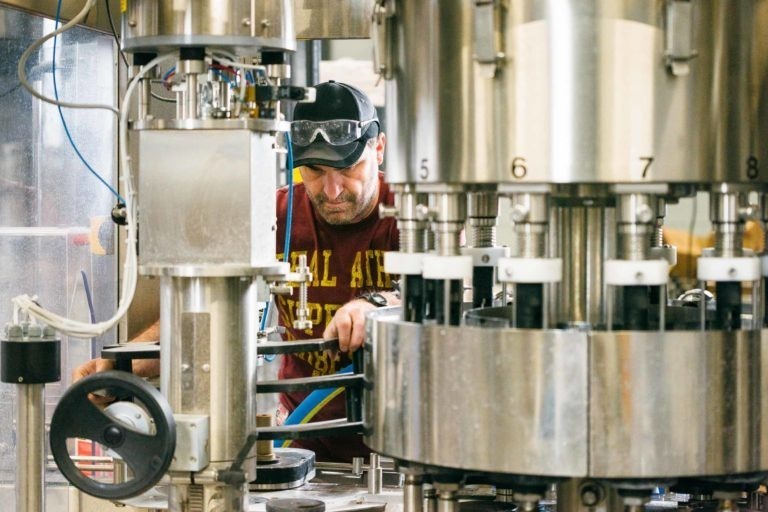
732,272
422,212
644,214
519,213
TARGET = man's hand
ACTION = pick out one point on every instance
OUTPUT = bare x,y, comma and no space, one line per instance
147,368
89,368
348,324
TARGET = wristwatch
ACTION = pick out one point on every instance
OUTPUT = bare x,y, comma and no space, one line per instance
375,298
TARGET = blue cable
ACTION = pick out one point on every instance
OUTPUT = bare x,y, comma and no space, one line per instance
89,297
289,182
64,122
225,78
308,404
288,224
168,73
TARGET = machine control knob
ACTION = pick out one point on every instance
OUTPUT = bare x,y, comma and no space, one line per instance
147,455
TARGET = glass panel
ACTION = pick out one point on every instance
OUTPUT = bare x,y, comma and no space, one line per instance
55,231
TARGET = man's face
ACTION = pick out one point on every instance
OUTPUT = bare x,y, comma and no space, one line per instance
346,196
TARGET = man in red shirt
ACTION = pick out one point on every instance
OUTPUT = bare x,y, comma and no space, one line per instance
338,148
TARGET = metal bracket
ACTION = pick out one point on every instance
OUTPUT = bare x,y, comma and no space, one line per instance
381,34
487,51
679,38
329,428
310,383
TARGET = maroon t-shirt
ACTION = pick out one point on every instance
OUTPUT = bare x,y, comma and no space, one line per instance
345,261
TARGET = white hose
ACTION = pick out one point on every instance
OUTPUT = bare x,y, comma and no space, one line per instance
131,271
22,65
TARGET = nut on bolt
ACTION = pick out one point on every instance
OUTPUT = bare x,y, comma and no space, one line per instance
302,321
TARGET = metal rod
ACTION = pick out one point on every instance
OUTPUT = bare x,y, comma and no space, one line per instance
30,447
145,94
662,307
191,98
375,475
703,305
515,298
757,313
446,502
413,494
609,297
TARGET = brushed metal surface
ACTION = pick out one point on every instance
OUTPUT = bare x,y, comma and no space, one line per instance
246,27
677,404
207,197
583,237
30,447
430,100
496,400
333,19
730,106
580,93
208,356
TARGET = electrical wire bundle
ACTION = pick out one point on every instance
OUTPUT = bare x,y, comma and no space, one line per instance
26,303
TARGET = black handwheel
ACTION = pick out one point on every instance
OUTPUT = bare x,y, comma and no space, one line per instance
147,456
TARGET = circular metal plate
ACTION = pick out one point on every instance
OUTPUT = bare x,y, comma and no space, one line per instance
257,125
276,270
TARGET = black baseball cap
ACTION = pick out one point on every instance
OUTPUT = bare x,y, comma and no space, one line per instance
335,100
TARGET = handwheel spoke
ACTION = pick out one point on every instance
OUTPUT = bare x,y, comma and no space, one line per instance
88,423
141,452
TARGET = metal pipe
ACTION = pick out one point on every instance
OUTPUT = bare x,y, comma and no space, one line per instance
145,93
583,237
375,475
30,447
446,501
413,494
191,97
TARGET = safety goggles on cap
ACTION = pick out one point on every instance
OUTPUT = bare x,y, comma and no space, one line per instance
336,132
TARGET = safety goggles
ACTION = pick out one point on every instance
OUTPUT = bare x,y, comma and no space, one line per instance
336,132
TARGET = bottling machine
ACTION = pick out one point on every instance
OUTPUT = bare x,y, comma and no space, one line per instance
590,117
573,368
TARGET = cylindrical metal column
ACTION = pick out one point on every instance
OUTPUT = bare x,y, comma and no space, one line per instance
413,494
208,359
30,447
584,237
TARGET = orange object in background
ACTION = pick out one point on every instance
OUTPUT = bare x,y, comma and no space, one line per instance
688,249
